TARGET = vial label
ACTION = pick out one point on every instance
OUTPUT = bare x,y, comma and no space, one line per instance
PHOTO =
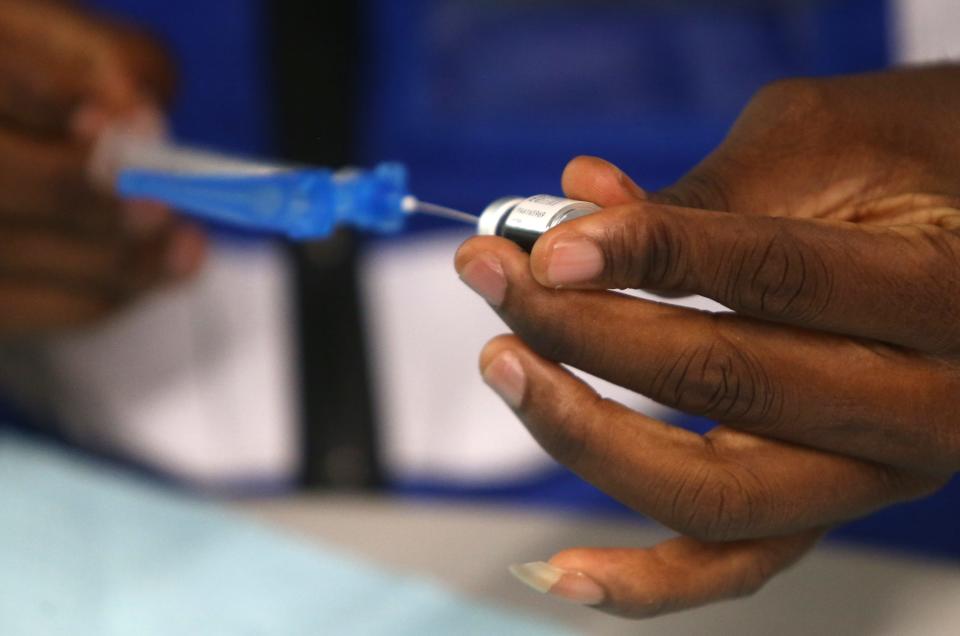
532,217
537,214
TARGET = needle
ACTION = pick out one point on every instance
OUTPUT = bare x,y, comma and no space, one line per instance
411,205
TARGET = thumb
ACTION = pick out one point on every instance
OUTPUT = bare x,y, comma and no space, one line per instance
599,181
679,574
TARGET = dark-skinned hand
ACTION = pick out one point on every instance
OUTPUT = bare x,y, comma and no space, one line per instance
827,222
71,252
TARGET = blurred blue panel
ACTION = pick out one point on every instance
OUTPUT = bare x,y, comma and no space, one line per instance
930,525
225,97
490,98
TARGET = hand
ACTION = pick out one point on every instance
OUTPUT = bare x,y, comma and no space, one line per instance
71,253
834,379
875,149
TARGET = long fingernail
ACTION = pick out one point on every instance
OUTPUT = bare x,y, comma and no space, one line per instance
573,261
506,376
566,584
484,275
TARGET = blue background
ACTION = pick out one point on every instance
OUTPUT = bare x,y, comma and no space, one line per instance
484,99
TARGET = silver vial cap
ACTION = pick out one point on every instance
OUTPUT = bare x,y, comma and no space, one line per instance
493,215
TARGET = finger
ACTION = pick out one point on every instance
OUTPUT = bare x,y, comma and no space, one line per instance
598,181
56,61
53,62
28,310
829,392
724,486
42,298
679,574
885,284
146,60
56,258
116,267
44,183
703,188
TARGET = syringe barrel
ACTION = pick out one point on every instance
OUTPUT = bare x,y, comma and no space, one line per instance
301,204
523,221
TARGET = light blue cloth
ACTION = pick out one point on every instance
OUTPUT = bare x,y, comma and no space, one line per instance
86,552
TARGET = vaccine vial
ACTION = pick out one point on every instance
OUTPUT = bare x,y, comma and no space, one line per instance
523,221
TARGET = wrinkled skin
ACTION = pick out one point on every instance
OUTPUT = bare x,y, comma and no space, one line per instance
72,253
828,222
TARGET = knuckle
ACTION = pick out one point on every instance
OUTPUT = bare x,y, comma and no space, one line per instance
622,246
777,276
793,100
555,336
936,255
566,437
647,250
721,380
788,117
715,503
567,443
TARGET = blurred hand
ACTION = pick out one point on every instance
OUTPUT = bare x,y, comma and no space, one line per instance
836,245
72,253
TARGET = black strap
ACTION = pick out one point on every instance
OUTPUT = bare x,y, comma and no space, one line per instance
315,53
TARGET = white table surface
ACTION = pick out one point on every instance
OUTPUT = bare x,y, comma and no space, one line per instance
836,590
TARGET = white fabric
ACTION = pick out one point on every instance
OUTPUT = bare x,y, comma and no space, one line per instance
196,381
925,30
427,330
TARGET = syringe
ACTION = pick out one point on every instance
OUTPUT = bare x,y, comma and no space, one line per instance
301,203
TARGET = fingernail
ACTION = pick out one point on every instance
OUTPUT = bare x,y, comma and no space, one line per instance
506,376
566,584
485,276
574,261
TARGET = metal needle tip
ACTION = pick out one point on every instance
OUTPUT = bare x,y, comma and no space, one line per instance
412,205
